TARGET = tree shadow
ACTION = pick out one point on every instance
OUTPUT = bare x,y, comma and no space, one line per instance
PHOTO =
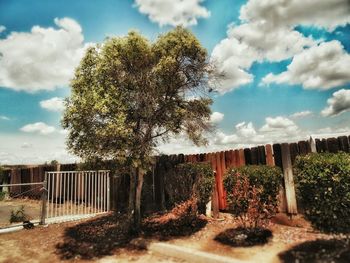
104,235
320,250
163,228
95,238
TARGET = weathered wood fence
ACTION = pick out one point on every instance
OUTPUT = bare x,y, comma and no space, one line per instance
281,155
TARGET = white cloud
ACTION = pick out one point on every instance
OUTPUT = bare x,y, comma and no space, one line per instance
338,103
320,13
301,114
53,104
42,59
38,127
2,28
245,129
4,118
216,117
267,33
174,13
26,145
320,67
279,124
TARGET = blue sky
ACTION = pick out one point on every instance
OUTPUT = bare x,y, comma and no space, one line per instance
285,67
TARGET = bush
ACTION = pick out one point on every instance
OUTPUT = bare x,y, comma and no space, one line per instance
18,215
191,179
2,195
323,187
265,179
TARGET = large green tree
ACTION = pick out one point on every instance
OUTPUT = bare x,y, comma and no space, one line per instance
129,94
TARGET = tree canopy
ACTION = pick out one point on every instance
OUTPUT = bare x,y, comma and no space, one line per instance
129,94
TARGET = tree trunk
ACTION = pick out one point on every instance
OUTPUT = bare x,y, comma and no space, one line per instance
134,215
137,214
132,189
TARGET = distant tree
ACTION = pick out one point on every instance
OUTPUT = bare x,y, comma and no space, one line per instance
129,94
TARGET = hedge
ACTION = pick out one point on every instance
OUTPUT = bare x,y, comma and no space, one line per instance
322,183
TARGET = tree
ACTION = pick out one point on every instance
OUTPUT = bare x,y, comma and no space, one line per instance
129,94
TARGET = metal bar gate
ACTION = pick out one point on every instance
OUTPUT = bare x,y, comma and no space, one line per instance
72,194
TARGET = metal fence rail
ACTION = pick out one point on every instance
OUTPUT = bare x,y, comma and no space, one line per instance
71,193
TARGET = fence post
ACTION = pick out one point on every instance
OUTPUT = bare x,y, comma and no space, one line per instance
312,145
43,201
288,179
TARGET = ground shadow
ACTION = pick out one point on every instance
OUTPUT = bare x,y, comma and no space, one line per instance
95,238
164,228
244,237
102,236
320,250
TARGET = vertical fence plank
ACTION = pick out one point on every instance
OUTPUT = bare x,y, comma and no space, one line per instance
277,154
254,155
219,180
324,145
242,160
288,179
261,155
343,143
269,155
294,151
318,145
215,198
247,156
333,145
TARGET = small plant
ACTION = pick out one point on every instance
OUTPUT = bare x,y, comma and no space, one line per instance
259,184
18,215
2,196
247,206
323,188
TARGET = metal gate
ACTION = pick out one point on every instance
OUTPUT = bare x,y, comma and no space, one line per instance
75,194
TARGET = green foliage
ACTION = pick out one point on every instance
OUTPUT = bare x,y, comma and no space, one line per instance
18,215
266,178
2,195
323,187
129,94
188,180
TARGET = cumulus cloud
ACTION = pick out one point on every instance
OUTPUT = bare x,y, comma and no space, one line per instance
216,117
38,127
321,13
322,67
254,41
174,13
279,124
301,114
245,129
2,28
53,104
267,33
42,59
338,103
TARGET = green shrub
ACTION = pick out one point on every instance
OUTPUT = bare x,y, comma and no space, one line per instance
323,187
18,215
2,195
191,179
265,178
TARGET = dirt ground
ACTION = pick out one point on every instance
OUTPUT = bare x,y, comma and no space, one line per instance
101,240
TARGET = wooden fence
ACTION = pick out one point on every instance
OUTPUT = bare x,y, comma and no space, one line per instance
281,155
